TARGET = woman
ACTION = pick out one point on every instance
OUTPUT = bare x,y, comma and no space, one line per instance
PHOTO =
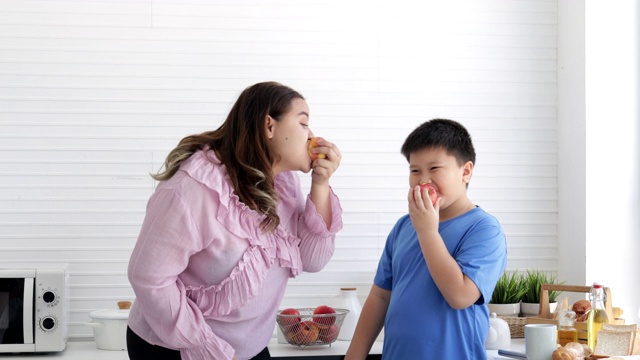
227,227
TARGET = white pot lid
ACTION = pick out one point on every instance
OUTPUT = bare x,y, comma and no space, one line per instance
110,314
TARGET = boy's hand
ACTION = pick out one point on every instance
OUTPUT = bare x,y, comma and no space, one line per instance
433,195
425,216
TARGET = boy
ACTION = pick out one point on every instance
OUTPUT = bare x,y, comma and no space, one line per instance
440,263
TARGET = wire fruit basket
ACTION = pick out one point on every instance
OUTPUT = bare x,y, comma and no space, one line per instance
306,328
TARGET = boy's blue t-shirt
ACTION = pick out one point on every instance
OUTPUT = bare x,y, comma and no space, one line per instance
419,323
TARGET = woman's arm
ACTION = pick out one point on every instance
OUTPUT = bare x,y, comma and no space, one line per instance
323,169
167,240
317,239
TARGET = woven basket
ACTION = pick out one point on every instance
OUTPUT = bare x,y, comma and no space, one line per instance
516,325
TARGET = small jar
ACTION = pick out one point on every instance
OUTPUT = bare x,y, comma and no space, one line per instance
566,327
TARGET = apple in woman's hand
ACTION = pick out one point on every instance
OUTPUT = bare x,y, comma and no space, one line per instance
433,195
313,142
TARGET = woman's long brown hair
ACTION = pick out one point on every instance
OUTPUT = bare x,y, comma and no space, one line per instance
242,146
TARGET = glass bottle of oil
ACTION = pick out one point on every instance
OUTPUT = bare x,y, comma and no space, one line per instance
597,315
566,329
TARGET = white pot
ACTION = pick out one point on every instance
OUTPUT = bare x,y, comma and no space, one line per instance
505,309
110,328
533,309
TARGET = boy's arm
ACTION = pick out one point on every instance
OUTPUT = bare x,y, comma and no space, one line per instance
458,289
370,323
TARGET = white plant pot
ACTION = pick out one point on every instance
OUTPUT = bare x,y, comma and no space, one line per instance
505,309
533,309
110,328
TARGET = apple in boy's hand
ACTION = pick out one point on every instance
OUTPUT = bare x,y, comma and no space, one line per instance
313,142
433,195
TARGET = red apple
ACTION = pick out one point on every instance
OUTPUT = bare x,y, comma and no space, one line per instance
304,333
433,195
313,142
328,334
327,311
291,318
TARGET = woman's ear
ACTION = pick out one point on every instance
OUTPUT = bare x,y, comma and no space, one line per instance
269,126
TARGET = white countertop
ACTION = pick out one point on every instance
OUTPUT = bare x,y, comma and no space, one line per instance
339,347
83,350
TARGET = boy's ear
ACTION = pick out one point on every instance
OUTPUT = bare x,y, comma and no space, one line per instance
467,171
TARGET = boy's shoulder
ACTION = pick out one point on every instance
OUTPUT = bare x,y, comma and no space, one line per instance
475,217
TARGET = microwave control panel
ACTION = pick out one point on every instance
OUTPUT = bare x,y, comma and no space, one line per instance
50,309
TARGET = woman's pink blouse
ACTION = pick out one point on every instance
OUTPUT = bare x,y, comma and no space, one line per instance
208,281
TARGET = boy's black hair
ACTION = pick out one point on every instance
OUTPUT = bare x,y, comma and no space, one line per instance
441,133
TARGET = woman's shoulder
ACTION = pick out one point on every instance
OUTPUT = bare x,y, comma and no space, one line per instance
205,167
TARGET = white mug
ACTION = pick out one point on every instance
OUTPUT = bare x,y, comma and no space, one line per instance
540,341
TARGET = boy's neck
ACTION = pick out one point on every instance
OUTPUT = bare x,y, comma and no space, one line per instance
456,209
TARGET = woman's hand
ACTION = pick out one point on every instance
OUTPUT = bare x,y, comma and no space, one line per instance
324,168
322,171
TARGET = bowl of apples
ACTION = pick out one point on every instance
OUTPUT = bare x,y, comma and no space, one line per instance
311,326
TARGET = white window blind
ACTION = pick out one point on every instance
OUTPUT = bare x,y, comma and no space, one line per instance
93,95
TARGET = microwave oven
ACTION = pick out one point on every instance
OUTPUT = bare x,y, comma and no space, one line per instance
33,310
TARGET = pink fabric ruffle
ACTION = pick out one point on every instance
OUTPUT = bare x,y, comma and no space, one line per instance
246,278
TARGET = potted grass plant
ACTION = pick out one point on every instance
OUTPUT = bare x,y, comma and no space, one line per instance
505,299
530,301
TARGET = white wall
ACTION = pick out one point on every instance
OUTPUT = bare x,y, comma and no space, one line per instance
613,149
93,94
571,147
599,153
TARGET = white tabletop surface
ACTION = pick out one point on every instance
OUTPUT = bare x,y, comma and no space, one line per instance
516,345
83,350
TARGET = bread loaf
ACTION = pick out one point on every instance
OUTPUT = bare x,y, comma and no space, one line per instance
614,343
635,347
581,308
564,354
571,351
617,312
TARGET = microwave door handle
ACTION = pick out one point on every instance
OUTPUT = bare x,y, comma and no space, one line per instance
27,308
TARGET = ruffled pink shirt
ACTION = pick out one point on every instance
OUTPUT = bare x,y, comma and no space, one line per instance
208,281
